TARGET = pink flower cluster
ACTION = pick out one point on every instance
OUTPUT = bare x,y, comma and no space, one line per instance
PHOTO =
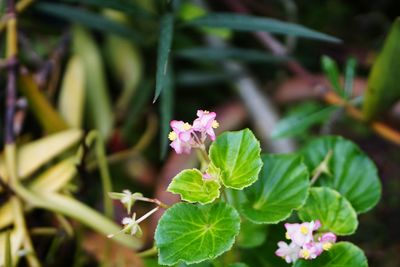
304,245
185,136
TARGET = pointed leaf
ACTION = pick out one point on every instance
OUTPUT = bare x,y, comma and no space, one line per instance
237,154
282,187
37,153
164,48
354,175
192,234
383,87
89,19
166,111
220,54
72,94
191,186
98,99
349,73
342,254
332,209
332,72
252,23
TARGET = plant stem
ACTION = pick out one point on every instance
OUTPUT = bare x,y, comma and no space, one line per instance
148,253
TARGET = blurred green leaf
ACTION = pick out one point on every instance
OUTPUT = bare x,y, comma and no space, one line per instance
300,121
220,54
127,7
163,51
251,23
349,74
201,78
332,72
332,209
7,251
89,19
73,87
383,88
166,111
251,235
48,117
98,99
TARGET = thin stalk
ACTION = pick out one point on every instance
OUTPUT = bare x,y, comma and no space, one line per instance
148,253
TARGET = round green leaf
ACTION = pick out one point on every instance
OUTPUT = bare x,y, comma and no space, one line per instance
193,188
342,254
354,175
332,209
193,233
237,154
282,187
251,235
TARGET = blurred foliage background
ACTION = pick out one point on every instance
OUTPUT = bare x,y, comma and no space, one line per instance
99,81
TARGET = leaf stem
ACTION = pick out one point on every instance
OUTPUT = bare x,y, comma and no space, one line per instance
148,253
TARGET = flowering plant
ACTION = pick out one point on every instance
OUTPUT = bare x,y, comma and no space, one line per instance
237,195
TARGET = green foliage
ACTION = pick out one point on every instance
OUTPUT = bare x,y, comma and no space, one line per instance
192,234
354,175
383,89
332,72
221,54
251,234
341,254
301,119
164,48
193,188
89,19
333,210
252,23
237,154
281,188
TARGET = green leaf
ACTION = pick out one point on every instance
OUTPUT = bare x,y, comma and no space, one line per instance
252,23
342,254
220,54
237,154
332,209
89,19
282,187
202,78
298,122
383,87
98,98
7,251
354,175
251,235
166,110
331,70
193,188
192,233
349,74
163,51
238,264
127,7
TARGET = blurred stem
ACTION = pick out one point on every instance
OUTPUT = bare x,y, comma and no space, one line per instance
10,149
148,253
19,7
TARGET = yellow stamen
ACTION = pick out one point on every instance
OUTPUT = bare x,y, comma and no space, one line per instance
215,124
327,246
187,126
304,230
305,253
172,136
287,235
206,111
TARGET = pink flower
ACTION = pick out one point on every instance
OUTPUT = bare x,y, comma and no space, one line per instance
205,124
310,250
301,234
181,137
288,252
327,240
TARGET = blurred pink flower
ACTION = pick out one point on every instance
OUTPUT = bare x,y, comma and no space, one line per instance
181,137
205,124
